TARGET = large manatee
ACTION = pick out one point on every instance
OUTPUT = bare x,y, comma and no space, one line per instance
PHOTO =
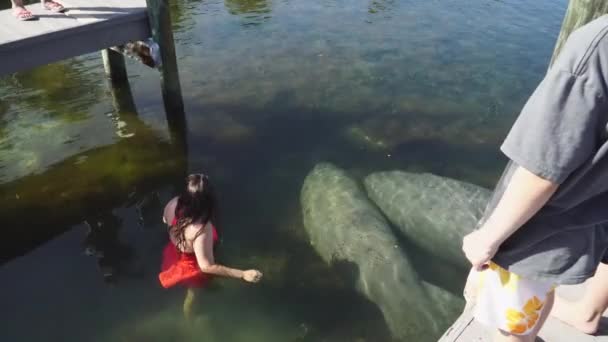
434,212
345,227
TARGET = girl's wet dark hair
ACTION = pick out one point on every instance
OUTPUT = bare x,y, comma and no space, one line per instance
196,204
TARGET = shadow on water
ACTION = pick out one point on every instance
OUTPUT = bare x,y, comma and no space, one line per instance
432,269
40,206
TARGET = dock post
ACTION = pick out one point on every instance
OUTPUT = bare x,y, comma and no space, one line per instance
114,65
162,33
579,13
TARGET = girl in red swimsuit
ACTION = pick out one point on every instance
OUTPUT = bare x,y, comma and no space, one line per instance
188,256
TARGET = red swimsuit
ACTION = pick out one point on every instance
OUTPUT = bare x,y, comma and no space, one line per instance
182,268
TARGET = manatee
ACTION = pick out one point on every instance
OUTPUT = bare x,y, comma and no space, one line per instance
434,212
346,228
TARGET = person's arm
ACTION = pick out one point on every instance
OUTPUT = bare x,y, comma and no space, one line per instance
525,195
556,133
169,211
203,249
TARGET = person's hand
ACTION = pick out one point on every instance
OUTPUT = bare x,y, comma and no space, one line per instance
252,276
479,248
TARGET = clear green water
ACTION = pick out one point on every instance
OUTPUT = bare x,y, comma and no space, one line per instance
271,88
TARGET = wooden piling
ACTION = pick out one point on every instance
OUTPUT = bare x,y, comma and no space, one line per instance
122,99
579,13
160,25
114,65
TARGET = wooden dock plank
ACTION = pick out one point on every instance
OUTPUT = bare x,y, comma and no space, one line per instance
87,26
87,12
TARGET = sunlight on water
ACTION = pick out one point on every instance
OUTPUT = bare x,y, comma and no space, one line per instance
272,88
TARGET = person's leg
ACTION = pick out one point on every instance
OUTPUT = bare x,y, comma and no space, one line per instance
17,6
585,314
188,302
502,336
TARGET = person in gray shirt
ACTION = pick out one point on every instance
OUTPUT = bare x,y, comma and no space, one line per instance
547,222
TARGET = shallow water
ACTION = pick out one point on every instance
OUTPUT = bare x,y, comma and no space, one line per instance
271,88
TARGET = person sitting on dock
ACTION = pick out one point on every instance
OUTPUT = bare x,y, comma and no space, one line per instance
23,14
188,256
547,222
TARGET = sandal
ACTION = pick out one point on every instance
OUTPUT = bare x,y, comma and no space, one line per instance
24,15
52,6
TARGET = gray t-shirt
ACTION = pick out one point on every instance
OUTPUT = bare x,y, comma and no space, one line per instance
561,135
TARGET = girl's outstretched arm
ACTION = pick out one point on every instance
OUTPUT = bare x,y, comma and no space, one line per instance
203,249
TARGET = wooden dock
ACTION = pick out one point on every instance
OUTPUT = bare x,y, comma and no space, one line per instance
465,329
95,25
87,26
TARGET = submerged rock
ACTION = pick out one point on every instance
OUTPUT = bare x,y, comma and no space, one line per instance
346,229
222,127
387,133
434,212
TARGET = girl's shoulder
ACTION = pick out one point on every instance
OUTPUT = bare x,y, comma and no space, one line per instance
198,229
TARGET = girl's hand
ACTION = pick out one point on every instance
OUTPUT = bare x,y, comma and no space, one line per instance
479,248
252,276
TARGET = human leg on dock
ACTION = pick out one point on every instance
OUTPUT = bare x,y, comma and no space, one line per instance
503,336
515,306
585,314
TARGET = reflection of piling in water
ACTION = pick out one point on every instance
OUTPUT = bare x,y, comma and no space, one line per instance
126,116
124,106
165,60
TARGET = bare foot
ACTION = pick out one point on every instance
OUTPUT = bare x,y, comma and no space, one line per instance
572,314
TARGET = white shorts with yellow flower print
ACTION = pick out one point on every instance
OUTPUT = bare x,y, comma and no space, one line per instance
507,301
